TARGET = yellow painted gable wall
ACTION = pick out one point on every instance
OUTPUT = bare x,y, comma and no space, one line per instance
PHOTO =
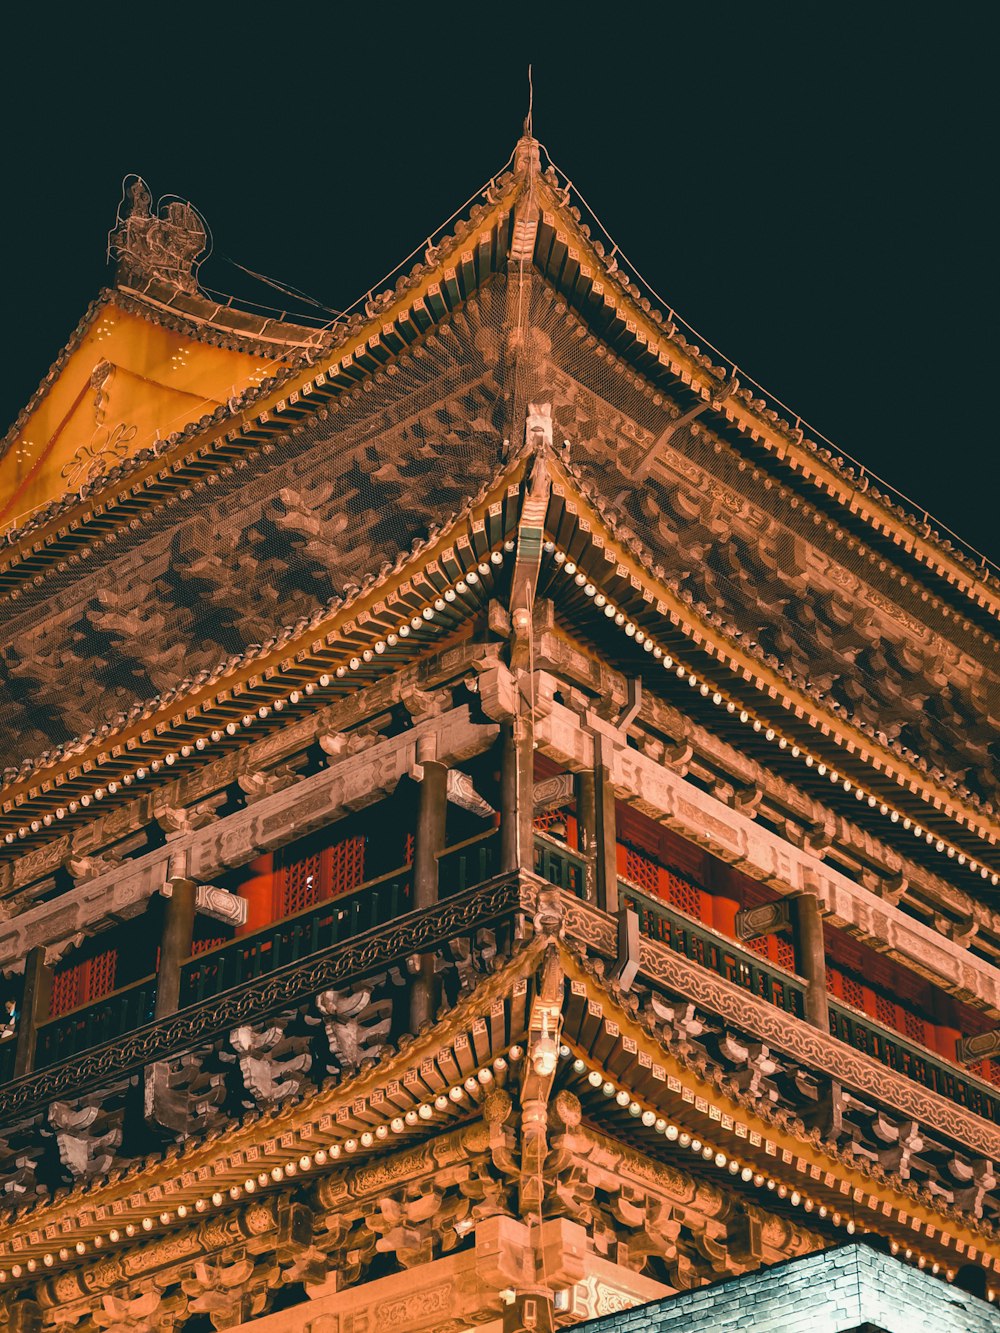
128,381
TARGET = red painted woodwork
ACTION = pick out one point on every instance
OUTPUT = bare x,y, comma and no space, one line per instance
80,983
293,881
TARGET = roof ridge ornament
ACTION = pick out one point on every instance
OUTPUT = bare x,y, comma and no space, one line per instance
165,243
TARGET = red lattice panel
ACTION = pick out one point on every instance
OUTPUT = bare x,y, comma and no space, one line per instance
641,871
885,1011
83,982
347,866
300,884
784,953
854,993
685,896
66,989
203,946
914,1027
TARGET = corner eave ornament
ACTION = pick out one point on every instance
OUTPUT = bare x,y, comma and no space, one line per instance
167,244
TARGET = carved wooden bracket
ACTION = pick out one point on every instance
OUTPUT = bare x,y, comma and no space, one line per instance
984,1044
768,919
553,793
219,904
627,963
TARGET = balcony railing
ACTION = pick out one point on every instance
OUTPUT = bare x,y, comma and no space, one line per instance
102,1020
8,1048
702,945
555,862
471,862
916,1062
375,903
381,901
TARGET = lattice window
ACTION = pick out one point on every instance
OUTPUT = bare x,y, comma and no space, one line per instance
831,980
409,847
347,865
641,871
300,884
83,982
66,988
885,1011
914,1027
544,822
785,953
683,895
759,946
854,994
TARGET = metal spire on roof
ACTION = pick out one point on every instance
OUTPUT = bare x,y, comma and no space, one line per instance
527,157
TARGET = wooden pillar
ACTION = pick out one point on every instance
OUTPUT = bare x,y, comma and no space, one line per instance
34,1009
508,799
586,824
432,811
810,957
606,833
524,742
175,943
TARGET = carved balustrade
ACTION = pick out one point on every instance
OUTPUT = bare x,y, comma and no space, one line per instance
92,1024
917,1062
684,935
371,905
224,979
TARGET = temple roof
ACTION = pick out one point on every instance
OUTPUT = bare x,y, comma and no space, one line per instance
222,549
628,1100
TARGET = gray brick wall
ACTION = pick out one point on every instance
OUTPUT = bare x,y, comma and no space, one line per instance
837,1291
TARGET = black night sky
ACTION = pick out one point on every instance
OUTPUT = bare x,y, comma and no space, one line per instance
806,185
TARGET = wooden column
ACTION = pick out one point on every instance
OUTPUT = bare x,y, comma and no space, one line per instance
175,943
34,1009
810,957
586,825
524,741
606,835
508,798
432,811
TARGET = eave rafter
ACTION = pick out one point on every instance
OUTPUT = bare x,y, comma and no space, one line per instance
629,1081
434,593
565,254
638,1099
239,431
623,578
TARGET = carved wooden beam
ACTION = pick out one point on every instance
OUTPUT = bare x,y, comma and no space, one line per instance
980,1047
762,854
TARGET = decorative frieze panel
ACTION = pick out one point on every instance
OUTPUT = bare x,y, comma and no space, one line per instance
700,817
201,853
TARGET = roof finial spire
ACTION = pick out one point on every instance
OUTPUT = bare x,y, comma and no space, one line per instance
527,157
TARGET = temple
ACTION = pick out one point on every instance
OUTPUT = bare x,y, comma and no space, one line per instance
498,827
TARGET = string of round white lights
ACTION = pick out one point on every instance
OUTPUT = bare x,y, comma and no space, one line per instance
453,1101
733,706
424,618
456,1099
725,1162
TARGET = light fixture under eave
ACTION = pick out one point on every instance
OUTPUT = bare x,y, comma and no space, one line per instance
545,1050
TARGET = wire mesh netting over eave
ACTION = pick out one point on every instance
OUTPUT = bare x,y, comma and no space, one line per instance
790,580
267,545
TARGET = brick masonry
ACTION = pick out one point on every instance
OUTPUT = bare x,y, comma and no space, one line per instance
845,1290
